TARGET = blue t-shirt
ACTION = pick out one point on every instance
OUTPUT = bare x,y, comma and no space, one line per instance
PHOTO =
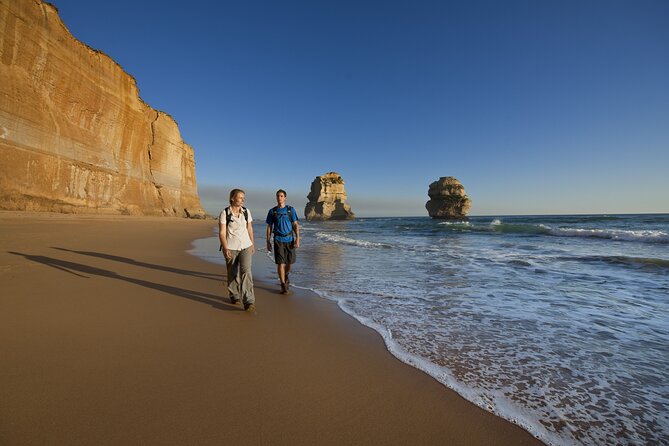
282,225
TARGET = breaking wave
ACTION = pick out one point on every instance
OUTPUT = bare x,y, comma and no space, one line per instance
645,236
350,241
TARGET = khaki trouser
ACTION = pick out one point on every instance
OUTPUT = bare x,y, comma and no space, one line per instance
240,278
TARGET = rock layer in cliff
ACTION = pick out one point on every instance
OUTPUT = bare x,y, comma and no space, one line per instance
74,134
447,199
327,199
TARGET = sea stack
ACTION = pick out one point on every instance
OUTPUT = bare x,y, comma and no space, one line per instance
447,199
327,199
75,136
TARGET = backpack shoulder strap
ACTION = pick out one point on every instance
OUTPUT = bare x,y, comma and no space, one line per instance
227,222
228,214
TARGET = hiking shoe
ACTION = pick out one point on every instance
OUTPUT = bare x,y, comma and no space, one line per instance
250,308
284,288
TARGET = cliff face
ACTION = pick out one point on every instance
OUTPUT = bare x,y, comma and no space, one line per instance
447,199
327,199
74,134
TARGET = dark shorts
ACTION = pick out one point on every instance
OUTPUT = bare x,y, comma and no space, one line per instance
284,253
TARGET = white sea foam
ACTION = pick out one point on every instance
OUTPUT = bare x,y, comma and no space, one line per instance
627,235
455,223
335,238
495,386
493,401
649,236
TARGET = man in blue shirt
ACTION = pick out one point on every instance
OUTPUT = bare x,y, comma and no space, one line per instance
282,222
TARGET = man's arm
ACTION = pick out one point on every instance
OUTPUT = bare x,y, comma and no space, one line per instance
296,228
269,238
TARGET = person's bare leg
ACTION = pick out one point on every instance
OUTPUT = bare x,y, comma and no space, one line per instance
281,270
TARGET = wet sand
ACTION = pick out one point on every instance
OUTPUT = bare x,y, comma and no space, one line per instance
110,333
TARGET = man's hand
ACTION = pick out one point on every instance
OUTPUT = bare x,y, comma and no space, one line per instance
227,253
297,242
269,246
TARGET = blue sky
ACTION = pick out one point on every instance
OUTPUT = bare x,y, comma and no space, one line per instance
535,106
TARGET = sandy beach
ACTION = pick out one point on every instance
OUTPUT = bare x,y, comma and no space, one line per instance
110,333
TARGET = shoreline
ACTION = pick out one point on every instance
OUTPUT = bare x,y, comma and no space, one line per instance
121,349
448,381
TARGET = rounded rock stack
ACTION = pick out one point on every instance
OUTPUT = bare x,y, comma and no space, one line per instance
447,199
327,199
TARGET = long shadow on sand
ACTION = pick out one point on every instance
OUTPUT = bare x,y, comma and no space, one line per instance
134,262
81,270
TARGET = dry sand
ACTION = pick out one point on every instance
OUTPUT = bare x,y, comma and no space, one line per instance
111,334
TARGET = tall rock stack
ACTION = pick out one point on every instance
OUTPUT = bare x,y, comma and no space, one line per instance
74,134
327,199
447,199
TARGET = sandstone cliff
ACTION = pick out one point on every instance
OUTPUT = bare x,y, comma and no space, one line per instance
447,199
74,134
327,199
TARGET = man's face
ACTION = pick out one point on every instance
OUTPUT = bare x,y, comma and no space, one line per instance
281,199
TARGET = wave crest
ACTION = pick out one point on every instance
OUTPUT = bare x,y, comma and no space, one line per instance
648,236
350,241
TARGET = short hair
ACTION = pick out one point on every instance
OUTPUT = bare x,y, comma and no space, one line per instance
234,192
281,191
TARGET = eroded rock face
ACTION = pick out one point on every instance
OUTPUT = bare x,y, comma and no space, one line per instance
447,199
74,134
327,199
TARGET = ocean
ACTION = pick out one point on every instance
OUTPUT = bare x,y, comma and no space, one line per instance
559,324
